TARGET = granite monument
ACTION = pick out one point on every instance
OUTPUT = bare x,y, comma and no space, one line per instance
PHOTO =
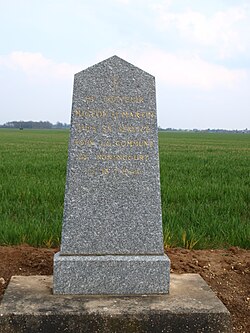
112,227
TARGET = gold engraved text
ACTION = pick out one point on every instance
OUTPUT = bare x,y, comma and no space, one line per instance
133,129
120,157
106,129
112,114
123,99
83,157
84,142
138,115
115,81
86,128
128,143
89,99
91,114
116,171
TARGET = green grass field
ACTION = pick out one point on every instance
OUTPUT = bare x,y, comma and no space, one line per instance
205,183
32,183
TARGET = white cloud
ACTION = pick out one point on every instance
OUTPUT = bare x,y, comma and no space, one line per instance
123,2
191,71
153,4
160,6
169,68
223,29
36,66
181,70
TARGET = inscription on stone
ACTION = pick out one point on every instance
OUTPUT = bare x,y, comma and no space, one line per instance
112,199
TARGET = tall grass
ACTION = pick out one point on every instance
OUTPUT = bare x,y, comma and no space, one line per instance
205,184
32,182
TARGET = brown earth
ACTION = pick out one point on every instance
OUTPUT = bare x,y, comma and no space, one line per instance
226,271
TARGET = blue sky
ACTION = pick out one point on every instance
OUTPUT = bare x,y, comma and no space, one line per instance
198,51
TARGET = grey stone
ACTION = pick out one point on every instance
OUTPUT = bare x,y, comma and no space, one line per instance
112,201
29,306
111,275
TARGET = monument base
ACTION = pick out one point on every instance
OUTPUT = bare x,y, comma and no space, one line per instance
28,306
111,275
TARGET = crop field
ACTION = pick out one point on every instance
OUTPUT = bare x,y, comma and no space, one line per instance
205,185
205,182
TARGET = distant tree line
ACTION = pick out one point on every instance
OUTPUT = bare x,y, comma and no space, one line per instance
34,125
47,125
208,130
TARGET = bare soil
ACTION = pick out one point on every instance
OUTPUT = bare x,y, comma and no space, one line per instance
227,272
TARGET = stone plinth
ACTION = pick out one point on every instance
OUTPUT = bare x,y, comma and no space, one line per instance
111,275
29,306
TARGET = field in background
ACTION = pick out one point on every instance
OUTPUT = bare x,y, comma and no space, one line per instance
205,183
32,183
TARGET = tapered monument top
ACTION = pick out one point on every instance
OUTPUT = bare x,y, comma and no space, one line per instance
116,63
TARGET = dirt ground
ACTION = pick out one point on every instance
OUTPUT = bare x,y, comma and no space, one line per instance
226,271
